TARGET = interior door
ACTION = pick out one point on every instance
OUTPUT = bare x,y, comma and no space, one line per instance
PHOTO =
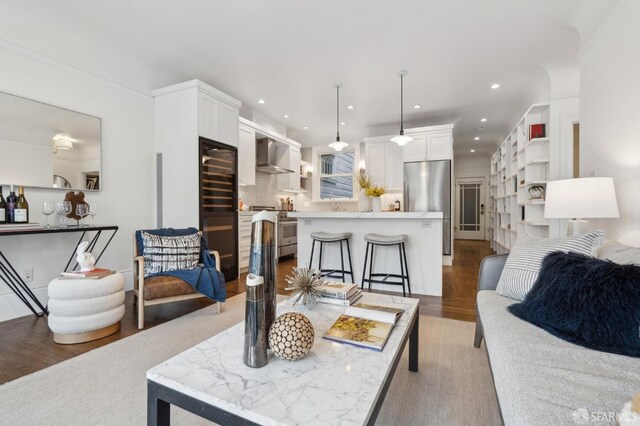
469,217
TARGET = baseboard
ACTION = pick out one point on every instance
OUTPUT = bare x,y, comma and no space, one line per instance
11,307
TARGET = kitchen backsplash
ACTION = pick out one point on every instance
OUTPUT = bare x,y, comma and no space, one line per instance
264,192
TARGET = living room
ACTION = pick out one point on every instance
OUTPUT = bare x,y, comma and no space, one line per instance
159,92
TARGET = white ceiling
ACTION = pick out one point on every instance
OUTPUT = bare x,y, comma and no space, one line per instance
292,52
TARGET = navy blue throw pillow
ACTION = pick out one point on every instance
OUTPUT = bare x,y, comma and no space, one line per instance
586,301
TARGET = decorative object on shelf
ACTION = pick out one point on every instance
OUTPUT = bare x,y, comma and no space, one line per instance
375,192
364,182
581,198
402,139
93,211
74,199
537,131
291,336
85,260
63,208
537,192
305,283
338,145
48,208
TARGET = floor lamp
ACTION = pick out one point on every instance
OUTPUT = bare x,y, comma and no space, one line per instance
579,199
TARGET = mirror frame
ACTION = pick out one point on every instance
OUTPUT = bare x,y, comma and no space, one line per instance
3,184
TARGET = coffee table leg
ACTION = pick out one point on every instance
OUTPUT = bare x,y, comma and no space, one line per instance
158,411
413,343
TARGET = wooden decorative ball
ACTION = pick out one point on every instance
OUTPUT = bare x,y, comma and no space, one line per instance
291,336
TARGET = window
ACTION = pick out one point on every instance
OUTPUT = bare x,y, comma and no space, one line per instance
337,175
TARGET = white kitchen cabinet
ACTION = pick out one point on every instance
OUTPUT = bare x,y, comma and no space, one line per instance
244,240
217,120
247,155
384,162
439,146
289,157
416,150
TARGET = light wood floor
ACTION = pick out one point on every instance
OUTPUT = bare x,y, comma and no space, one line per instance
26,343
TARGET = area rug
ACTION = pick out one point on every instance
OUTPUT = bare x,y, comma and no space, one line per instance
107,386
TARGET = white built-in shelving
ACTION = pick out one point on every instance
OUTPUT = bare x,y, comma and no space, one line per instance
517,165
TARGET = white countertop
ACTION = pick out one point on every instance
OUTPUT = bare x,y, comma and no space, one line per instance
367,215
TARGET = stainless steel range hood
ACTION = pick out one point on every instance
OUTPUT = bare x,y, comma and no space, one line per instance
267,157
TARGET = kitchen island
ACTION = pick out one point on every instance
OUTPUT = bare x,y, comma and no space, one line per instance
423,245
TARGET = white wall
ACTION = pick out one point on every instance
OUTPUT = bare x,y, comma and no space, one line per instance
475,166
127,155
609,112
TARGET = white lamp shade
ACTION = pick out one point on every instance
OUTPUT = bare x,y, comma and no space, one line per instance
401,139
338,145
581,198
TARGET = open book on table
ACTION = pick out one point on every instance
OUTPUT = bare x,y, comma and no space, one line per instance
365,325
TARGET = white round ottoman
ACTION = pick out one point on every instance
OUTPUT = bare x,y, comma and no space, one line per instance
82,310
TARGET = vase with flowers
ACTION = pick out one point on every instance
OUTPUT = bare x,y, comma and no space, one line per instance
364,182
375,192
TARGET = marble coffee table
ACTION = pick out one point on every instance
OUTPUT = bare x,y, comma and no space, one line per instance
334,384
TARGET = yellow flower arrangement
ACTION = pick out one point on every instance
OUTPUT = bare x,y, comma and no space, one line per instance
375,191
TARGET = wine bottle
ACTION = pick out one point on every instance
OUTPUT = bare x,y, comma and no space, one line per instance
21,211
3,208
11,205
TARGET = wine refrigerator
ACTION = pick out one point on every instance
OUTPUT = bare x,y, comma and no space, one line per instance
219,202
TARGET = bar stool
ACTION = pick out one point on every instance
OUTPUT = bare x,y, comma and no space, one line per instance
374,240
324,238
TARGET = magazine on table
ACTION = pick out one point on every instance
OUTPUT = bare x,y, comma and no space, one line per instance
341,302
338,290
365,325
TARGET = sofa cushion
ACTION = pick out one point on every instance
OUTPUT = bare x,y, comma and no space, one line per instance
619,253
162,254
524,261
587,301
161,286
541,379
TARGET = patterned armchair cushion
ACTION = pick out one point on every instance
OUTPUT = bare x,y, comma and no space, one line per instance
162,254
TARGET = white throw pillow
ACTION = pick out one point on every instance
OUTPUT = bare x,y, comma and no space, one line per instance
525,259
619,253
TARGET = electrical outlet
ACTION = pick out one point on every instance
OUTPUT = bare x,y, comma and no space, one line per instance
426,224
27,275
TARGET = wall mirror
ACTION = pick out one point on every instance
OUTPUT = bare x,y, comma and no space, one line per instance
48,147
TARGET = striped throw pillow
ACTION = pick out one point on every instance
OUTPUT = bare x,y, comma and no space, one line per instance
525,259
162,254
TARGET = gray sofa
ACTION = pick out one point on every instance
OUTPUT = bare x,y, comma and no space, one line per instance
540,379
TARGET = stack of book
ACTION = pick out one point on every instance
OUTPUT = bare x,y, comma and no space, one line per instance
340,294
96,274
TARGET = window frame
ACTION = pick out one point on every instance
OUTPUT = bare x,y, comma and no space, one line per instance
318,152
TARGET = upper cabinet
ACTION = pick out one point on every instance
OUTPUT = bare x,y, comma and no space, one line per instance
289,157
439,146
246,155
217,119
384,163
416,150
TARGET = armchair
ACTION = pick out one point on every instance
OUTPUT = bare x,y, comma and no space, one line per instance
156,290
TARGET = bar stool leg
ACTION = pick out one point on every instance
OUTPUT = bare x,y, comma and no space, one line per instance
353,281
373,246
406,265
364,270
313,246
320,260
404,294
342,261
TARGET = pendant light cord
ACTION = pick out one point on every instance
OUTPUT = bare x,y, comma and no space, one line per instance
401,102
338,113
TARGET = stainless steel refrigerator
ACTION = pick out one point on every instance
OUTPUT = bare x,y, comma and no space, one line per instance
427,188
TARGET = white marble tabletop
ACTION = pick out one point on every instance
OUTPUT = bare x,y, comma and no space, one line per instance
367,215
334,384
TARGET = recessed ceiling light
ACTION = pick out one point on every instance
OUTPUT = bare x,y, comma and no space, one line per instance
261,101
484,120
480,129
495,86
306,127
286,116
343,123
473,150
477,138
350,107
417,106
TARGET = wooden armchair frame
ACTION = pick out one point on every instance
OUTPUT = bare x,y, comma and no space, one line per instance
138,286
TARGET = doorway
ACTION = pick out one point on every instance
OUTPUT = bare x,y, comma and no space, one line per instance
469,219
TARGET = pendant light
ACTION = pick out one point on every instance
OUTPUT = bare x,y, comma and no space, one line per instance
401,139
338,145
